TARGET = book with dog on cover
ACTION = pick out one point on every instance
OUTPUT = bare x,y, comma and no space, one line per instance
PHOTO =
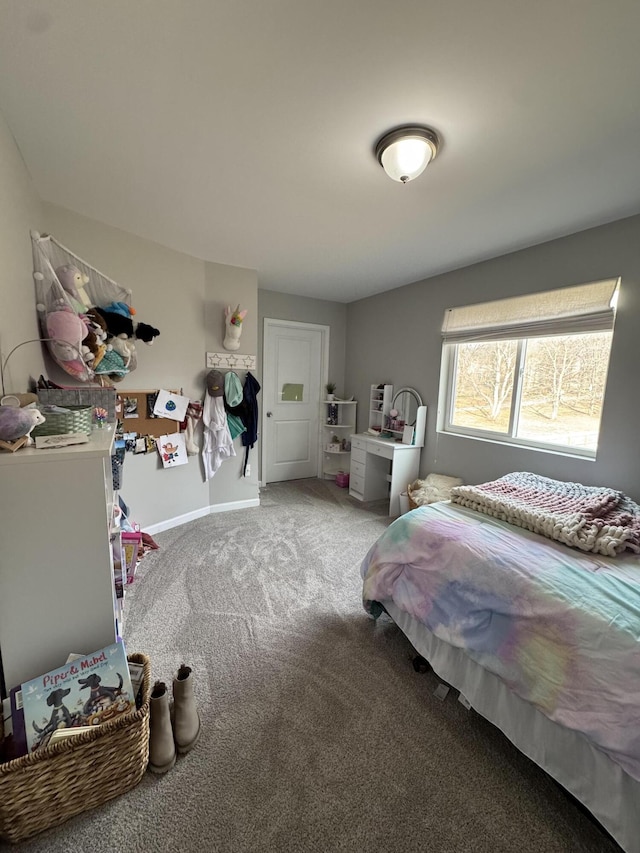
87,691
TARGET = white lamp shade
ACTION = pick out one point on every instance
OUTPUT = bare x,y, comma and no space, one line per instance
406,159
405,153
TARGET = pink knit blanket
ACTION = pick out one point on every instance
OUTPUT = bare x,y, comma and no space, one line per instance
591,518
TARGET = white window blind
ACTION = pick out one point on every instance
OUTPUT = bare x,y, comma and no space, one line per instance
569,310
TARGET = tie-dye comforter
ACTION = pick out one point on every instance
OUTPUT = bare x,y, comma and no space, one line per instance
560,627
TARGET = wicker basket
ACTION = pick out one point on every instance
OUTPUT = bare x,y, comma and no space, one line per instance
77,419
412,503
48,787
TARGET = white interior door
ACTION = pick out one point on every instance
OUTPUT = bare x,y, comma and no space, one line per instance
294,372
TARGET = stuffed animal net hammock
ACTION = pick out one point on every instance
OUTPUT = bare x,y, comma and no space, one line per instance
68,290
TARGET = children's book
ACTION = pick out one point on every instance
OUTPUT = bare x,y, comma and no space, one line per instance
87,691
17,721
130,548
15,739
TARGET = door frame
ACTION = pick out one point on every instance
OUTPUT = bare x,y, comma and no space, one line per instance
324,378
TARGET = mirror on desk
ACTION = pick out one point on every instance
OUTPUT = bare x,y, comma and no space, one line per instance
406,402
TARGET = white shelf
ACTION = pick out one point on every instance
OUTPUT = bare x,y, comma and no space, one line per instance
379,405
56,551
344,412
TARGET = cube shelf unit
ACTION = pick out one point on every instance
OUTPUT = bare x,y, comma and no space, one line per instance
379,406
337,459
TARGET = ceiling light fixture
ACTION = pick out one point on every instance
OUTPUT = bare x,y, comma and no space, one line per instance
404,153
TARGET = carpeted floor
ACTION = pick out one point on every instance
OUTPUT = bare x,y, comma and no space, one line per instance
318,734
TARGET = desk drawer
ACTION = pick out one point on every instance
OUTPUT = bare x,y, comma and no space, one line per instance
356,484
357,469
381,450
357,454
359,443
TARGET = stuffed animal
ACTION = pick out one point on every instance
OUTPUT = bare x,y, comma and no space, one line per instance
146,333
96,323
125,347
94,345
17,422
117,317
233,322
67,331
112,365
120,308
92,350
73,282
121,336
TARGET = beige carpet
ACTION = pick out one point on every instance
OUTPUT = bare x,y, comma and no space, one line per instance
318,734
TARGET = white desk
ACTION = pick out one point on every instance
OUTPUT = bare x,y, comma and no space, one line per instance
383,468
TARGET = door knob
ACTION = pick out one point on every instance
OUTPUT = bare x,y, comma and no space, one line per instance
269,414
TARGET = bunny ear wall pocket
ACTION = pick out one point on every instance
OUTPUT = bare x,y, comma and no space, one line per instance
169,405
172,450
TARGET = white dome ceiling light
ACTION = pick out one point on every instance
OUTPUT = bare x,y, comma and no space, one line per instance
406,152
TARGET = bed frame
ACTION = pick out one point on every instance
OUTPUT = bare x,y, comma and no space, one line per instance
601,785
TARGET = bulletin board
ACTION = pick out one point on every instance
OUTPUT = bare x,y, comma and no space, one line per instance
134,410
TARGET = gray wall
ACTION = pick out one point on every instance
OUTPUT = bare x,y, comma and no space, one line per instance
395,337
392,337
227,285
183,297
303,309
283,306
20,212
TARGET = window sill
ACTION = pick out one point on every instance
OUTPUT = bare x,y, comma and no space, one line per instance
566,454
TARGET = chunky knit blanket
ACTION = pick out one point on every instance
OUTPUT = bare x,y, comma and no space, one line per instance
591,518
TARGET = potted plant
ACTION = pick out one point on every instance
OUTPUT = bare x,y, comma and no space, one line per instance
331,387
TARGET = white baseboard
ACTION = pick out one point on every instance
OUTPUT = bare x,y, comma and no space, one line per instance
234,505
199,513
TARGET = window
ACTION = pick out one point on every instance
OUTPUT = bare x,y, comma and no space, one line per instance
530,370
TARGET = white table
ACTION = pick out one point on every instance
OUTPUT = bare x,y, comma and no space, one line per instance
383,467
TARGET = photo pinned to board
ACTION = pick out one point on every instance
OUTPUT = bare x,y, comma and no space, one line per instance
130,405
172,450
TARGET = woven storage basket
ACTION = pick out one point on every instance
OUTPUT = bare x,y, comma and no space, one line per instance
77,419
51,785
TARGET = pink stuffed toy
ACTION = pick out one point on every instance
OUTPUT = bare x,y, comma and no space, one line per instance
68,331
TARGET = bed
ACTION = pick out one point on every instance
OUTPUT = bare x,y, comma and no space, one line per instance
542,639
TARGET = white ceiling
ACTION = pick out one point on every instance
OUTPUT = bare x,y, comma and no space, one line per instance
243,132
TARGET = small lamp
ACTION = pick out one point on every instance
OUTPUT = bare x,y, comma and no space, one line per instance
404,153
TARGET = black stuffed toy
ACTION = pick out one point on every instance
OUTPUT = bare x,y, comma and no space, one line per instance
118,318
146,333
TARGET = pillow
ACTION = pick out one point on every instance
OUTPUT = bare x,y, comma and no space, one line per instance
436,487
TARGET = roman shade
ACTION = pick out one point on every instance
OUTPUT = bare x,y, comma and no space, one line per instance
568,310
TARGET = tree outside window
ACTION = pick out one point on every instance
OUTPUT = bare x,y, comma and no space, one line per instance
546,391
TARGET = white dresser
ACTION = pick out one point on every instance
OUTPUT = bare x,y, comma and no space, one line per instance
383,467
56,568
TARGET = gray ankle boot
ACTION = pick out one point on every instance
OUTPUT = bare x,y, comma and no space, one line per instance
162,749
186,721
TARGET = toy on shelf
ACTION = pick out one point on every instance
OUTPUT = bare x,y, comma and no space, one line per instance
100,416
16,424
